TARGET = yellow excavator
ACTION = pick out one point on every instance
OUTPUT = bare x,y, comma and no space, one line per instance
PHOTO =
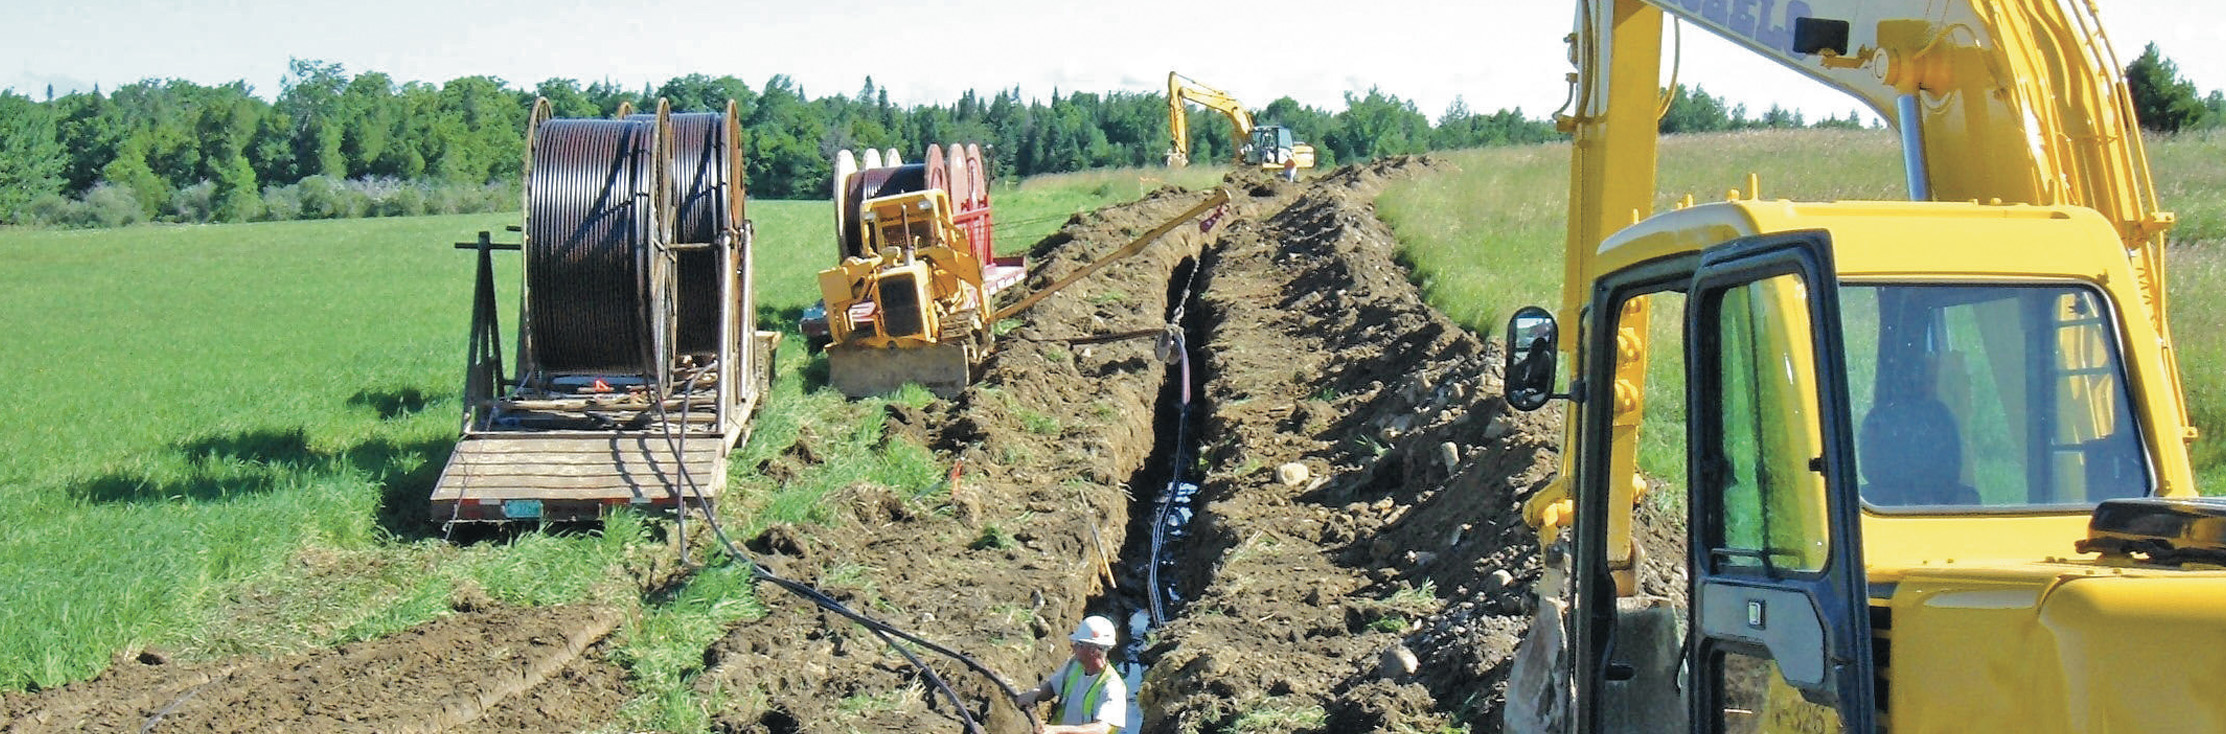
1262,146
1937,450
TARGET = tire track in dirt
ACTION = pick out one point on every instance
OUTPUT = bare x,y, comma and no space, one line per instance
475,671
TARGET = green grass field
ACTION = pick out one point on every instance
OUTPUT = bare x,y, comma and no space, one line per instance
222,435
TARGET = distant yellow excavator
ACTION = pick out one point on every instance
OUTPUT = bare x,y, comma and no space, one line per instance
1265,146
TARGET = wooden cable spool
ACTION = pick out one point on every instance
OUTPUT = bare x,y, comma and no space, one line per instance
707,195
596,208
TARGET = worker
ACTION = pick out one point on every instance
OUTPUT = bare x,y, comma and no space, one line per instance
1531,374
1290,167
1092,697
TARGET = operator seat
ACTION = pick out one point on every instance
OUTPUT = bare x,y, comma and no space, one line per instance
1910,453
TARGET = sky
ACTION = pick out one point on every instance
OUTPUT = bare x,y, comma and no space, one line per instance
1493,54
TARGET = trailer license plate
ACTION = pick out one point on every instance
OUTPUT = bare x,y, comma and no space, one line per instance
521,509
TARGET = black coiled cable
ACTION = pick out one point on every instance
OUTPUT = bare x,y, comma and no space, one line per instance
707,199
589,266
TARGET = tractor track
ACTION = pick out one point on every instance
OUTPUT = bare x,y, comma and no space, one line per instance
505,670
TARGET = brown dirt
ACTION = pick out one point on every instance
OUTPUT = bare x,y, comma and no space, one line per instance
1310,346
478,671
1313,348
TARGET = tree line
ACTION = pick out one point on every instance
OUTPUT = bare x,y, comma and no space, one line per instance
333,145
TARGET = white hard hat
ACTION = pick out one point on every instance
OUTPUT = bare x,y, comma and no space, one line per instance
1095,630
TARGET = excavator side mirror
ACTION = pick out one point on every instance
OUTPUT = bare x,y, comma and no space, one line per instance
1819,35
1531,337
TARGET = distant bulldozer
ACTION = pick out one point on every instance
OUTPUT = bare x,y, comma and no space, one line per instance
911,298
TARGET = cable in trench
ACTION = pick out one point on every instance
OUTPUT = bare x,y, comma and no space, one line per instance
1172,349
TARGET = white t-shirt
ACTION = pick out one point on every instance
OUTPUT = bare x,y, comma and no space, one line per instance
1111,699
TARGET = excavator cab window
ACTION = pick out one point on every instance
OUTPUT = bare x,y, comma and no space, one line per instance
1989,397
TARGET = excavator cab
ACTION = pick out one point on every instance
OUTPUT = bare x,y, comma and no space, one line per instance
1990,397
1271,145
1772,632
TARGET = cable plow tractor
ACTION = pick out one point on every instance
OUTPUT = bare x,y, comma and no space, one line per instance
908,299
639,364
912,296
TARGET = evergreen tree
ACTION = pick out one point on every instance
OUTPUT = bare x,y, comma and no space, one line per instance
1694,111
2162,100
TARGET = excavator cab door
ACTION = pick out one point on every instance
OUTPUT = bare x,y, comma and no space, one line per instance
1780,634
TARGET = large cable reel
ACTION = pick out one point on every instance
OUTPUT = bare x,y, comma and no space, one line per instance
598,270
707,193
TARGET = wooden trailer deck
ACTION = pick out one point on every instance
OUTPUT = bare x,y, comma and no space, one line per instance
520,467
563,476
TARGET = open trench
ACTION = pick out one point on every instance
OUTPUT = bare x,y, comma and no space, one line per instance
1384,585
1163,494
1383,590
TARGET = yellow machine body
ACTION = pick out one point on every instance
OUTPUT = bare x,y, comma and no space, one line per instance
914,310
1268,147
2025,170
2068,647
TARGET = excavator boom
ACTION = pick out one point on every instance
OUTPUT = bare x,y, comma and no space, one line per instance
1269,147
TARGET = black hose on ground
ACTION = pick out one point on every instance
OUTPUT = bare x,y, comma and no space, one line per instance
880,629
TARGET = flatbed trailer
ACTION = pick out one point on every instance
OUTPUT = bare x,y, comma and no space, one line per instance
639,365
519,470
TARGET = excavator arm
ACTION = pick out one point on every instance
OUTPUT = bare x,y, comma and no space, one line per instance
2017,100
1181,89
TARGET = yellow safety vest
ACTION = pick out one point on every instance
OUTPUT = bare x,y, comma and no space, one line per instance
1088,699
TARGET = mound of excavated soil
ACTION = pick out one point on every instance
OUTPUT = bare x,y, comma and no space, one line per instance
1388,589
1403,543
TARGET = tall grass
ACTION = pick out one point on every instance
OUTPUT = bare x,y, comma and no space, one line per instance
2191,183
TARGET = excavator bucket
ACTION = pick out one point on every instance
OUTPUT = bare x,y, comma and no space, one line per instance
863,371
1538,679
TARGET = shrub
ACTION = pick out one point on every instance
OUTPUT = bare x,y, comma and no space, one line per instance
406,201
281,203
108,205
325,197
50,210
195,204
